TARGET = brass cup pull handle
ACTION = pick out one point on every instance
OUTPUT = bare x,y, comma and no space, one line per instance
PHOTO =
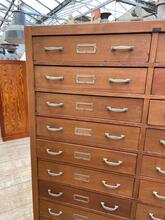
119,81
115,208
50,173
122,48
162,142
52,153
49,49
56,195
108,186
114,137
111,163
55,214
49,128
53,104
117,110
156,194
160,170
54,78
151,215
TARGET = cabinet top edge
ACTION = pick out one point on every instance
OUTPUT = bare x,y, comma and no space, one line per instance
99,28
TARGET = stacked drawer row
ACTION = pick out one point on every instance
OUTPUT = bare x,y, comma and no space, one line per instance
92,126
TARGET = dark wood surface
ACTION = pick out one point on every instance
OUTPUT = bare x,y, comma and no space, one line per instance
13,98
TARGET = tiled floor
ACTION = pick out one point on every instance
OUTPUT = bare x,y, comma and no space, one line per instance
15,180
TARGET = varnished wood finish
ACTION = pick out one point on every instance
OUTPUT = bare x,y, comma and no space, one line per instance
89,133
85,199
88,179
62,105
157,113
70,212
153,167
103,55
146,192
153,141
13,98
158,82
97,79
144,212
87,156
92,75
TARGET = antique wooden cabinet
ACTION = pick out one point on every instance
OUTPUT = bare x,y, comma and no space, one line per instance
97,120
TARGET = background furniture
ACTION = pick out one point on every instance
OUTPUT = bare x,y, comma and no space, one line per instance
97,120
13,100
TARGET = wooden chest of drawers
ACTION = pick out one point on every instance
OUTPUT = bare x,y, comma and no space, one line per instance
97,120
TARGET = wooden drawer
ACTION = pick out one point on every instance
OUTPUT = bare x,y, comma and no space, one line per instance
155,141
67,79
57,105
68,213
108,160
153,167
92,50
103,182
152,193
103,135
87,199
157,113
149,213
158,87
161,49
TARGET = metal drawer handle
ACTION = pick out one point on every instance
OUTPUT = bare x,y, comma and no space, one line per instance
54,129
108,208
117,110
151,215
92,51
160,170
56,195
111,163
122,48
50,173
110,186
55,78
162,142
52,104
119,81
55,214
158,196
113,137
52,153
47,49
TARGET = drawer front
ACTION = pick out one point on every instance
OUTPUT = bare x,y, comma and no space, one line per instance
157,113
87,199
87,156
103,182
49,210
107,135
91,50
121,109
153,167
125,80
155,141
158,87
161,49
152,193
149,213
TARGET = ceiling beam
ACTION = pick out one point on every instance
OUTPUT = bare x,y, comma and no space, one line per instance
54,11
7,12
